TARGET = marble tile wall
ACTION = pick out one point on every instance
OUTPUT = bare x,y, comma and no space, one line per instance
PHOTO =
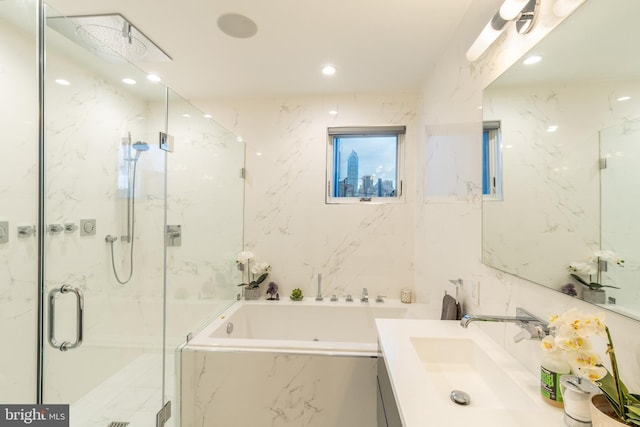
287,222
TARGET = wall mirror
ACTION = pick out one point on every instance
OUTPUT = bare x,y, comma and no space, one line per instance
569,150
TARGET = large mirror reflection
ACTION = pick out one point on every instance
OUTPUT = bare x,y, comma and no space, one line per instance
567,139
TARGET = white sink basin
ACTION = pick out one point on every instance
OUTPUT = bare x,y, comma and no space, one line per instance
459,364
427,359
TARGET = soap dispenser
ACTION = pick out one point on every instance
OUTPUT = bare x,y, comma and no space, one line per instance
552,366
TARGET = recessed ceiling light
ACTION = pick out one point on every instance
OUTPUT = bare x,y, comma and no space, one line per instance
333,112
207,116
153,77
552,128
534,59
63,82
185,115
237,26
128,81
624,98
329,70
239,139
258,154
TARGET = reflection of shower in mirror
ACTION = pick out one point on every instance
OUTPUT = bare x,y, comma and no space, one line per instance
129,159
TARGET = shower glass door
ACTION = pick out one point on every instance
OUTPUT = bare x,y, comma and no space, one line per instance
104,241
205,199
18,193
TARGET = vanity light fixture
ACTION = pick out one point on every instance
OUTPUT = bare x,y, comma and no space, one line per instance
552,128
207,116
333,112
523,12
623,98
128,81
153,78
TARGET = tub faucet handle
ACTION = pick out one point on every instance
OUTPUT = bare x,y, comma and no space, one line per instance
380,298
348,298
365,295
334,298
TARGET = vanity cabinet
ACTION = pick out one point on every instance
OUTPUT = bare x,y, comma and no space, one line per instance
388,415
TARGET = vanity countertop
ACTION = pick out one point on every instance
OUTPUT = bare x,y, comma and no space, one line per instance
427,358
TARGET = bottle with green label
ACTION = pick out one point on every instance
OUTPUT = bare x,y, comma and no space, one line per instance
551,367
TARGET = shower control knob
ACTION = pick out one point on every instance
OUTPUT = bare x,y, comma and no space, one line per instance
70,227
55,228
87,227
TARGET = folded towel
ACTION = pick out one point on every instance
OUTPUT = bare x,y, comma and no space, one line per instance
450,308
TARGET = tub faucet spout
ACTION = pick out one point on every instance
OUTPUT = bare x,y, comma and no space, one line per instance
365,295
319,296
532,327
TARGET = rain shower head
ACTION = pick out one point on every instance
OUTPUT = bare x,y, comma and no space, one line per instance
111,37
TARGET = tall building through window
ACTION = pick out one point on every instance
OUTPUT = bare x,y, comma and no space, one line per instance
371,168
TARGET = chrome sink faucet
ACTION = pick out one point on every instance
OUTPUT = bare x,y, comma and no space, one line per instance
365,295
532,326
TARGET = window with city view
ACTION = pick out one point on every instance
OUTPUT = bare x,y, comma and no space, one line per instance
363,163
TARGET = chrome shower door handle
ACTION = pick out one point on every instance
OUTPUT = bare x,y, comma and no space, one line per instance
66,345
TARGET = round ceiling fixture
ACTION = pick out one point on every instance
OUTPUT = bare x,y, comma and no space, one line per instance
238,26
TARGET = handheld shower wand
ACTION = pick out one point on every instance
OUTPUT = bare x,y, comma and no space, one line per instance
139,147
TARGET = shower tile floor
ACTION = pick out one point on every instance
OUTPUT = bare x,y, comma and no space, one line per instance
133,395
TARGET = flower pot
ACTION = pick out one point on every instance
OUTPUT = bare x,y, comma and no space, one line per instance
251,293
602,414
594,296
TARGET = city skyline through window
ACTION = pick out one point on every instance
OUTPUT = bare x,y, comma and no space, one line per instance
365,166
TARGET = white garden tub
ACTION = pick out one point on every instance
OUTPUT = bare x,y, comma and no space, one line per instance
301,327
286,363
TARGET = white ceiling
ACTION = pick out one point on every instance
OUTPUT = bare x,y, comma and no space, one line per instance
376,45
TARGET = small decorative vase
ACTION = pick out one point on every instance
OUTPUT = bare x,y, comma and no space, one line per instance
594,296
602,414
252,293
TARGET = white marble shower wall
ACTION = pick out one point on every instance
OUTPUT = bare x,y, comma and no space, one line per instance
18,193
287,222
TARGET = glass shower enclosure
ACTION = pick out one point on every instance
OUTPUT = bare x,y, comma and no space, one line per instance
115,240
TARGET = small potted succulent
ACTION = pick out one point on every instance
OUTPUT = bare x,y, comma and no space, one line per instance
296,295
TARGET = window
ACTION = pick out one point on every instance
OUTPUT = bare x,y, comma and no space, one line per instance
491,161
364,164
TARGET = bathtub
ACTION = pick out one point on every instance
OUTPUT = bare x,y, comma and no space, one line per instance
300,327
286,363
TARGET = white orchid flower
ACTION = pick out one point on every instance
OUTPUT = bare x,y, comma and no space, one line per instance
260,268
548,343
244,256
592,373
584,268
583,359
607,255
